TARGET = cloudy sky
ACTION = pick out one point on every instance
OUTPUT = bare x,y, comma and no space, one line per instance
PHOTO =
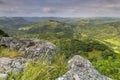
60,8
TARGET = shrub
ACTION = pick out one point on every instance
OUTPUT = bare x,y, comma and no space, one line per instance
110,67
71,47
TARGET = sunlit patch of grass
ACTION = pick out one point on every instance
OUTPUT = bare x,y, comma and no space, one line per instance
115,44
113,41
8,53
25,28
94,53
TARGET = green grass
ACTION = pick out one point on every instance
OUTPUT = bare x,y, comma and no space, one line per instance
43,70
8,53
110,67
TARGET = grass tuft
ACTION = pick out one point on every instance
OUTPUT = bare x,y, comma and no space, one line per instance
8,53
43,70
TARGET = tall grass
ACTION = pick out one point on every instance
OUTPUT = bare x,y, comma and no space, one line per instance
8,53
43,70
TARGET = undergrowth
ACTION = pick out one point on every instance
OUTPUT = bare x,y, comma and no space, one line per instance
42,69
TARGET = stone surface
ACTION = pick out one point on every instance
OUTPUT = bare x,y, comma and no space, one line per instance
81,69
3,76
32,49
8,65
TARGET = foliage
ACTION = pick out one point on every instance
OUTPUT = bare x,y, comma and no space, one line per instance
83,47
48,30
8,53
96,31
43,70
14,76
103,57
110,67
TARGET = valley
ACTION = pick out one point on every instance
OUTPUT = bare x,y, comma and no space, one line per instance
96,39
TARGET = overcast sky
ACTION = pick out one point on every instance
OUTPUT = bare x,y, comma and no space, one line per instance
60,8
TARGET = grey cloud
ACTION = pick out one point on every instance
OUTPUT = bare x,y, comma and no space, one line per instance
2,2
61,7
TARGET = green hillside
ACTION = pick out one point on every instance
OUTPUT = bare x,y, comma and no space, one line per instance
97,39
10,24
48,29
99,31
107,32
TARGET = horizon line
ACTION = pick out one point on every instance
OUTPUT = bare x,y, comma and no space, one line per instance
60,17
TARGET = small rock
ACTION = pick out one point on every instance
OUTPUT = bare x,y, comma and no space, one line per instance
8,65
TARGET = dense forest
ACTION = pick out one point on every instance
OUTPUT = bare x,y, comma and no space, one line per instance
97,39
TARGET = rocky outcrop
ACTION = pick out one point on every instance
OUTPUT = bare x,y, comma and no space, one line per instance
78,67
8,65
81,69
31,50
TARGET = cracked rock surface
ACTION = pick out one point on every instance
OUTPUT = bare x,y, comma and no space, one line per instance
81,69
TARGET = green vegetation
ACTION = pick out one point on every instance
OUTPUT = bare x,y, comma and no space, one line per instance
10,25
42,70
101,55
48,30
8,53
85,48
97,39
109,67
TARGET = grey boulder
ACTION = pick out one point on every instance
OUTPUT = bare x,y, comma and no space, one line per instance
81,69
30,48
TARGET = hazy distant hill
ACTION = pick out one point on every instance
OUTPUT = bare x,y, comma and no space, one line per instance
36,25
10,24
74,21
13,22
40,19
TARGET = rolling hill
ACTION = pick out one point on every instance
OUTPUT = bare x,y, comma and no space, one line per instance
97,39
10,24
49,28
